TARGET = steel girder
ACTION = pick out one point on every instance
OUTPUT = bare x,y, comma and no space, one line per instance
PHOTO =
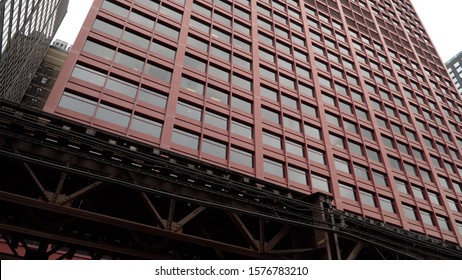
69,191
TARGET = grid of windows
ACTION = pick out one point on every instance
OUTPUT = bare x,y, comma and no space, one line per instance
256,104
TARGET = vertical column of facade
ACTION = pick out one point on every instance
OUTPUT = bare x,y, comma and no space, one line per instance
432,123
359,23
315,21
284,87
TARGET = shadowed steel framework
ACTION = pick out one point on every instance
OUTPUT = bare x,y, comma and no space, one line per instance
346,99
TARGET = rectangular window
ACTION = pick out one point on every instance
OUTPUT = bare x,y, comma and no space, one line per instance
135,38
146,126
89,75
192,85
361,171
453,205
367,198
292,123
410,212
108,28
294,148
348,192
380,179
189,110
387,204
427,217
218,95
185,139
337,141
320,183
214,148
141,19
316,155
312,131
163,50
401,186
216,120
434,198
297,175
443,223
78,104
273,167
272,140
241,104
270,115
99,50
113,115
158,72
241,82
152,97
194,63
394,162
167,30
126,88
418,192
355,148
342,165
129,61
373,155
241,157
241,129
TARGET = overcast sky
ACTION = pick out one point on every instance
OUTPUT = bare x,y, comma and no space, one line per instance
441,19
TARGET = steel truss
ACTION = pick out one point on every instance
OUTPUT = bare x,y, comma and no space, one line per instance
70,191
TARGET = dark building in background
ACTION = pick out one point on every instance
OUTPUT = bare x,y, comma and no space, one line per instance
454,66
27,28
44,79
346,98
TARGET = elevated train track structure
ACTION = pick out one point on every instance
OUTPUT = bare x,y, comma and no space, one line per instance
70,191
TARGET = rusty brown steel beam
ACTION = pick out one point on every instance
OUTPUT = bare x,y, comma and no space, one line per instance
152,210
59,187
261,228
171,213
76,241
244,231
91,216
356,250
38,184
81,192
178,225
277,237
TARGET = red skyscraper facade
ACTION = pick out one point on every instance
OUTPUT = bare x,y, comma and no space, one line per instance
347,98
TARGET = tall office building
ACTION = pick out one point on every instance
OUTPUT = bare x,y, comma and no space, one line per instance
454,66
344,98
26,30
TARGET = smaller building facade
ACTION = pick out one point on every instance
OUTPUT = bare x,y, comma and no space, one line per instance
45,77
454,66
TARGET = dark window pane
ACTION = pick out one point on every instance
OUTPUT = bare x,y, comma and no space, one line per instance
146,126
186,139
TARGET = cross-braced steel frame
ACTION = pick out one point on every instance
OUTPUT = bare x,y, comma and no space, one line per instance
69,191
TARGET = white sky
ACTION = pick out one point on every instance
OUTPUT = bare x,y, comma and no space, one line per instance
441,19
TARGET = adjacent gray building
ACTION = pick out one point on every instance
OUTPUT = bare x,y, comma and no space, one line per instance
26,30
454,66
